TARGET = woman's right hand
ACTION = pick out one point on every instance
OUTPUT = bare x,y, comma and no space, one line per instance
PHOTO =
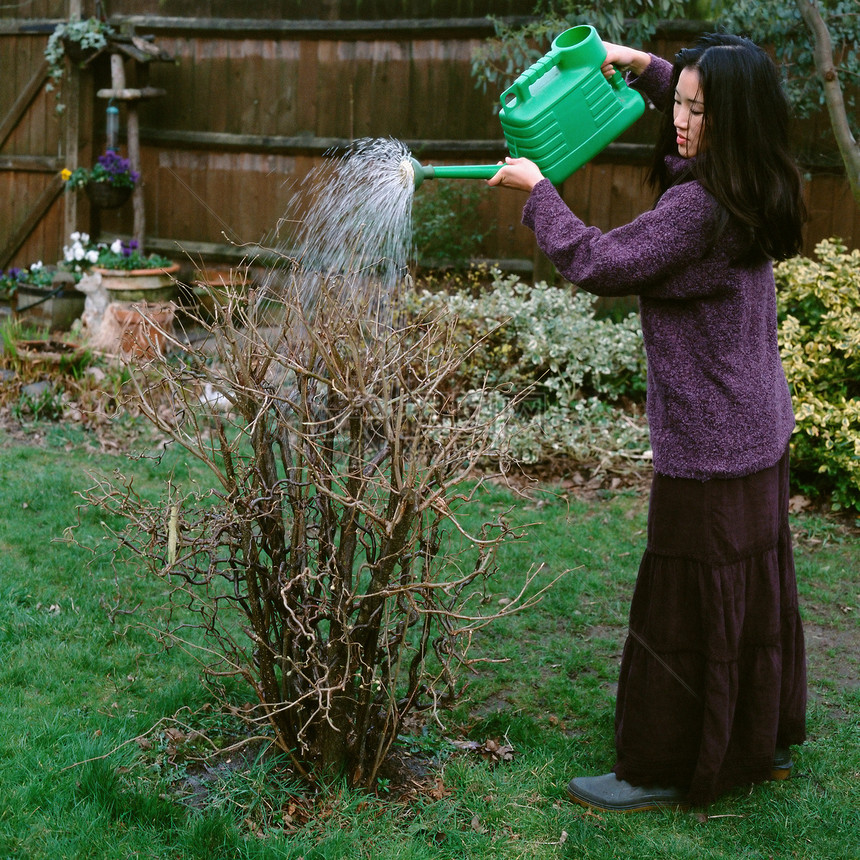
519,173
624,59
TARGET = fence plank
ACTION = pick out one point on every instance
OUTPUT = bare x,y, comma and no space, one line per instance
252,105
38,211
23,102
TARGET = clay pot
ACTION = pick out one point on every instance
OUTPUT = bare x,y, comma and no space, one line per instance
219,287
140,285
143,327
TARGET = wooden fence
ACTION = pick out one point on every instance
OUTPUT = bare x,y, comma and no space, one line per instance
251,105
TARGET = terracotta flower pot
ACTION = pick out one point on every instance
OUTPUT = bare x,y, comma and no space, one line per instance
143,327
140,285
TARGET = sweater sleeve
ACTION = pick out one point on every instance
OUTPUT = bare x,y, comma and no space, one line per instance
655,82
651,256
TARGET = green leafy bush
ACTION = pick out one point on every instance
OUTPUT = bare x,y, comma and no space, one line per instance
819,307
565,383
446,224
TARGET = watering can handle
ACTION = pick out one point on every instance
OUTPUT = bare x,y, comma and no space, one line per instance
520,87
617,80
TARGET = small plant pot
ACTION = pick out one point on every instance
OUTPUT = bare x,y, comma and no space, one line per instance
143,328
56,307
140,285
213,288
103,195
52,354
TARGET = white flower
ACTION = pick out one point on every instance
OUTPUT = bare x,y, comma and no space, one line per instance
85,238
75,236
79,251
116,247
36,266
92,256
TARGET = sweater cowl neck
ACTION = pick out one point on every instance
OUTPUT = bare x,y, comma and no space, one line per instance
680,169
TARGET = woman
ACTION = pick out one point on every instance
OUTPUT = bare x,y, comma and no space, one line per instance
712,689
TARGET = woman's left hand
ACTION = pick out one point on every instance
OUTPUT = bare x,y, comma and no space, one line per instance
519,173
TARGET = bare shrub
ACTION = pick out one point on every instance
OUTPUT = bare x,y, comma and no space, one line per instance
328,566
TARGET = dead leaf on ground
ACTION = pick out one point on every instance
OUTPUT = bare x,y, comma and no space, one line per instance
176,736
439,790
490,750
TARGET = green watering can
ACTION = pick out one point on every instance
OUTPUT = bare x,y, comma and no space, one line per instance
559,113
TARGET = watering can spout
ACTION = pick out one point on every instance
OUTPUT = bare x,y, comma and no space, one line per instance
412,171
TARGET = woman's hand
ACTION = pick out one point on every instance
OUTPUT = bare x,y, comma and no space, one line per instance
519,173
622,58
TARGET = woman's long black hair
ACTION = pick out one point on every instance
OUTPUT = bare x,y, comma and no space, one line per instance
744,159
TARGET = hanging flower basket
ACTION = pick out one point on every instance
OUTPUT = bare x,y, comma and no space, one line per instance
76,51
106,196
108,183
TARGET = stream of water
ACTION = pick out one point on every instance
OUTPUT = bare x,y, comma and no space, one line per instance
348,231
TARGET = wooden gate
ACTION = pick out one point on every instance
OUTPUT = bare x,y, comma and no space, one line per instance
35,143
29,183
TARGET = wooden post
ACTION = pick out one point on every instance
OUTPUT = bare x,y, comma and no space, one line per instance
133,127
71,148
130,97
118,85
72,131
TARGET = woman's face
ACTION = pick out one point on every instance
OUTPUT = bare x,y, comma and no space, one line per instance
689,112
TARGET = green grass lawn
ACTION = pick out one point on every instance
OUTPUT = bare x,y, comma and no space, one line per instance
99,725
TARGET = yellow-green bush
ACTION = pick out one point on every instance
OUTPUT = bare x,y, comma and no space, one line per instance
819,309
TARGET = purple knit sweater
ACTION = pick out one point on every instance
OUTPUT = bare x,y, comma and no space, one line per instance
718,401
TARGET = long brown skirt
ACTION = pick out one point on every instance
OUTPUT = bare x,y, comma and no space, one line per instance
713,674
